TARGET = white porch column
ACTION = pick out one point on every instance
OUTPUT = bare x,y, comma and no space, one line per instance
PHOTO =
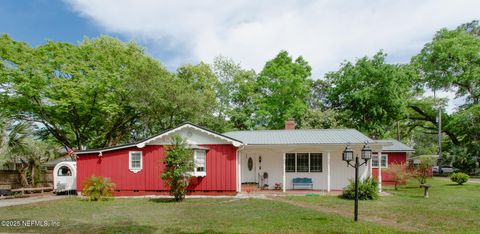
284,186
239,172
328,171
370,173
379,155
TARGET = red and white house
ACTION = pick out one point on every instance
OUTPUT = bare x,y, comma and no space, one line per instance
393,152
223,162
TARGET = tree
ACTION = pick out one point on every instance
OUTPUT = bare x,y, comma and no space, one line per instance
237,94
452,62
245,97
81,95
370,94
17,147
284,87
318,119
169,100
178,164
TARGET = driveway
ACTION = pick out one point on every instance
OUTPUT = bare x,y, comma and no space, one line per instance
29,200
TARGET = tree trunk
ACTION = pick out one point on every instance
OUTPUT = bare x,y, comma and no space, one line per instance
33,175
23,177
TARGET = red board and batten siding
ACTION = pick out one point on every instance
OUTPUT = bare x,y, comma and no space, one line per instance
393,158
220,178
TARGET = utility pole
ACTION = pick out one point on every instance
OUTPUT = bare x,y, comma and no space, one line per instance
439,132
439,122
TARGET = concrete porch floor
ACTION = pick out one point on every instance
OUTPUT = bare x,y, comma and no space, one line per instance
253,189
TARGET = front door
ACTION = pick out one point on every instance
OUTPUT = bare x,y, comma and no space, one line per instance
249,169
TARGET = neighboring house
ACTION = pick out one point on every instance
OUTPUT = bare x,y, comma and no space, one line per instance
223,162
393,152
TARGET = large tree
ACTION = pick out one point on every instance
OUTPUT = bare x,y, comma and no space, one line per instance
284,88
451,62
370,94
81,95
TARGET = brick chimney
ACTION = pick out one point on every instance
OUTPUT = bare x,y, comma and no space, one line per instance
290,124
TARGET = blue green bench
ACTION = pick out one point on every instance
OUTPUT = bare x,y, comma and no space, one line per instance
303,182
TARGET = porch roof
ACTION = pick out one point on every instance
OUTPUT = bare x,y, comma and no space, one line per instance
392,145
300,136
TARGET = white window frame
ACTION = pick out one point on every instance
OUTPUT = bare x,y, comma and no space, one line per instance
195,172
380,160
309,162
135,169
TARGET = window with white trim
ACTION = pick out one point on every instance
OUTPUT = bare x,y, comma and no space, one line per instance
290,162
200,163
303,162
375,161
135,159
316,162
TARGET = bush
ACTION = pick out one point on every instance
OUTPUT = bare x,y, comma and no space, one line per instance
421,167
98,188
398,172
459,177
367,189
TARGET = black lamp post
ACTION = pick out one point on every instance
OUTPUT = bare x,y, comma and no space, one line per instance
366,155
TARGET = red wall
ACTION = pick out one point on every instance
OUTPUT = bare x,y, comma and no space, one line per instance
221,171
393,157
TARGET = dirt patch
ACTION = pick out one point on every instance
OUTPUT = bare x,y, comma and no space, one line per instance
349,213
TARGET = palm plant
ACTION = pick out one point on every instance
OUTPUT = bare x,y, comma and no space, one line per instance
17,147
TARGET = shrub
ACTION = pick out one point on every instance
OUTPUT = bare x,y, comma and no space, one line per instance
98,188
398,172
421,167
459,177
367,189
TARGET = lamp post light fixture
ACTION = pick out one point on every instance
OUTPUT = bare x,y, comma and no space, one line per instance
366,154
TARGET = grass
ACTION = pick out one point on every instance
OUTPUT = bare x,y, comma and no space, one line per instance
191,216
451,208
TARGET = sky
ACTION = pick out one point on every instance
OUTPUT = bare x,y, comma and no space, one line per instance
325,33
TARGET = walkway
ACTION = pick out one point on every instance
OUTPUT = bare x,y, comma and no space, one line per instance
28,200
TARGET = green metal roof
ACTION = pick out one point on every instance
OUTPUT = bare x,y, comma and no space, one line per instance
395,146
300,136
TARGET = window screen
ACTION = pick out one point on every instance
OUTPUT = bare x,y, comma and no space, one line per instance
290,163
302,162
136,160
315,162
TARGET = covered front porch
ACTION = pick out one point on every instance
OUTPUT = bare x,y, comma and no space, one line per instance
273,168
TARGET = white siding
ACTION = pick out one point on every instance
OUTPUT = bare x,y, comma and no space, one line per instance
272,164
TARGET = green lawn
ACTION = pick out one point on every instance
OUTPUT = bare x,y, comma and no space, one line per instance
451,208
192,215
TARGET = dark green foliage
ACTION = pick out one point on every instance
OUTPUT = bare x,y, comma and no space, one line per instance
459,177
284,87
367,189
370,93
178,165
98,188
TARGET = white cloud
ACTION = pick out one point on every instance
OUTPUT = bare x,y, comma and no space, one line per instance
252,32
